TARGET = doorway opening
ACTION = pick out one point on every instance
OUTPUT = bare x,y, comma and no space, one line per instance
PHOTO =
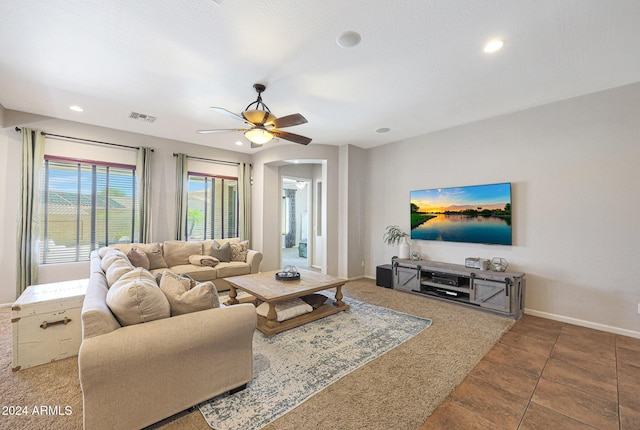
296,213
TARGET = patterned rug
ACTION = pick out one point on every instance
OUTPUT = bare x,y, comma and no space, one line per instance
294,365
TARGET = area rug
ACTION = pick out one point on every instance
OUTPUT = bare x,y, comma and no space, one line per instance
294,365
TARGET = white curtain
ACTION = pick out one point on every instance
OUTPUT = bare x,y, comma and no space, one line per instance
244,197
182,178
28,235
143,173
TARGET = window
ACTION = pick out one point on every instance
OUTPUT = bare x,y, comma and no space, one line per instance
85,205
212,207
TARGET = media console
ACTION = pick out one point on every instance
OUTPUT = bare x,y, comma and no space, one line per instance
497,292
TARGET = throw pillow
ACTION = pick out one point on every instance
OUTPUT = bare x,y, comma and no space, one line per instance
221,251
239,251
135,298
286,310
154,254
183,300
138,258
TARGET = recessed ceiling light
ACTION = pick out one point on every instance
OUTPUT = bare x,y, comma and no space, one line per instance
348,39
383,130
493,46
239,142
76,108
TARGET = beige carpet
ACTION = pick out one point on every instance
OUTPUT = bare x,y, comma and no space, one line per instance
400,389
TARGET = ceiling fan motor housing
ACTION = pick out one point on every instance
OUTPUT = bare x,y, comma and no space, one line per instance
259,117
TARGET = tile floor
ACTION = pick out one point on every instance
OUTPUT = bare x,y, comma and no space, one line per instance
545,374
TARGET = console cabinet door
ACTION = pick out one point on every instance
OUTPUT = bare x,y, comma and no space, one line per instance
492,295
405,278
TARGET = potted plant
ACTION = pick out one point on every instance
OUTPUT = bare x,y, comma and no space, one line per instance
394,235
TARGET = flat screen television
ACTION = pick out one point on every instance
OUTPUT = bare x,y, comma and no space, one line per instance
475,214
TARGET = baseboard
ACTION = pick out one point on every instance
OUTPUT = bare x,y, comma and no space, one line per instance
5,305
583,323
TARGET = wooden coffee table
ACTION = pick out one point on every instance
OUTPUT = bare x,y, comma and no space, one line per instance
265,287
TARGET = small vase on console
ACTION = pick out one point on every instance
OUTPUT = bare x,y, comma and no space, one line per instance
403,248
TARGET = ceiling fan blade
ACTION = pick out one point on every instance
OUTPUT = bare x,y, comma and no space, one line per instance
229,113
291,136
221,130
290,120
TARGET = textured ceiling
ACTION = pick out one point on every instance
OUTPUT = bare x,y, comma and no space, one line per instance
419,67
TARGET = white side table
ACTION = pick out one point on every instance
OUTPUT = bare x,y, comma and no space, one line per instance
46,323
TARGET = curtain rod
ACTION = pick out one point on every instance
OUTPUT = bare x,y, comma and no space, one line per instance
210,160
77,139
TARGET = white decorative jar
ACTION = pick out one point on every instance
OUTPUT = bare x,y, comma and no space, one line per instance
403,248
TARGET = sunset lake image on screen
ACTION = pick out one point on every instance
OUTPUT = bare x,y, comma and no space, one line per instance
475,214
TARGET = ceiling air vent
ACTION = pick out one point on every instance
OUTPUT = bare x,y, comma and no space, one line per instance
142,117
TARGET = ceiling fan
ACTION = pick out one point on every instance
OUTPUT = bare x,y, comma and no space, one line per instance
264,126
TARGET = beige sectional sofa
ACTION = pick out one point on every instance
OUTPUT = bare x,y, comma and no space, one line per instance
174,255
135,375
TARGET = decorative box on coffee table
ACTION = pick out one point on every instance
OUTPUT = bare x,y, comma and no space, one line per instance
46,323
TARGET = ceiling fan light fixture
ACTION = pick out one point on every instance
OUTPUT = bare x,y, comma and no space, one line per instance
258,136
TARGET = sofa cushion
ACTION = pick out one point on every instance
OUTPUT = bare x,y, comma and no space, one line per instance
183,299
138,258
221,251
232,268
239,251
198,273
135,298
286,310
117,269
177,252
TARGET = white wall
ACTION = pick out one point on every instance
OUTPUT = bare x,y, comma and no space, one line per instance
163,187
573,166
352,212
